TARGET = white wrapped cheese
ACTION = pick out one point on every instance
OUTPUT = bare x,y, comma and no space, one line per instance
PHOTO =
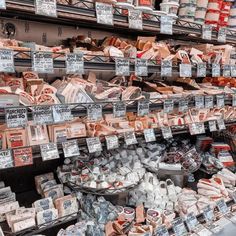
11,206
54,192
24,224
47,216
43,204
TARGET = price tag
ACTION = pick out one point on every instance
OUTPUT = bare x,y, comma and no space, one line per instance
222,207
216,70
221,124
234,100
104,13
75,63
209,101
222,34
119,109
122,67
220,100
227,71
233,70
166,132
143,107
70,148
6,160
94,112
42,115
212,125
112,142
233,195
201,69
130,138
43,62
191,221
206,32
196,128
16,117
199,102
166,68
3,4
185,70
49,151
7,61
161,231
135,19
166,26
149,135
183,105
179,227
61,113
141,68
94,144
208,214
168,105
46,7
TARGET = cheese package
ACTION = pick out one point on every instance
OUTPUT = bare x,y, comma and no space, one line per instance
57,133
24,224
55,192
16,138
6,160
40,179
23,156
43,204
49,184
12,219
11,206
47,216
76,130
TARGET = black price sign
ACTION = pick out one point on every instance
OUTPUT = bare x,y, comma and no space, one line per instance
209,101
46,7
104,13
166,26
141,67
166,68
227,71
75,63
112,142
43,62
3,4
208,214
143,107
185,70
222,34
179,227
119,109
149,135
206,32
7,61
61,113
94,145
42,115
135,19
49,151
122,67
215,70
16,117
201,69
130,138
94,112
222,207
71,148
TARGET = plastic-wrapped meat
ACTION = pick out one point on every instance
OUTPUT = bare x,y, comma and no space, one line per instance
132,93
112,93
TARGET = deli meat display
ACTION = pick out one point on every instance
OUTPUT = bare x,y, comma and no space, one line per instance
117,117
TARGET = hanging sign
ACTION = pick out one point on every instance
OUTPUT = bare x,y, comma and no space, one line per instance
227,71
185,70
233,70
207,32
201,69
166,132
94,112
43,62
220,100
61,113
141,67
46,8
112,142
212,125
166,68
42,115
216,70
222,34
130,138
135,19
222,207
71,148
122,67
191,221
104,13
16,117
183,105
119,109
209,101
7,61
199,102
94,144
49,151
75,63
149,135
208,214
168,105
143,107
166,26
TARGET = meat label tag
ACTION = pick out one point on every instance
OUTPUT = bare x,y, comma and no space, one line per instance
183,105
166,25
208,213
185,70
191,221
112,142
143,108
179,227
149,135
122,67
161,231
233,70
94,144
75,63
196,128
49,151
212,125
206,32
209,101
201,69
234,100
61,113
166,132
227,71
6,160
222,34
43,62
220,100
119,109
222,207
130,138
7,61
135,19
104,13
16,117
221,124
141,67
71,148
2,6
199,102
216,70
168,105
94,112
46,7
42,115
166,68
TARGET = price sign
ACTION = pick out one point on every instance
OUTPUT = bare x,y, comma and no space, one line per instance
216,70
209,101
185,70
222,34
222,207
183,105
42,115
75,63
149,135
199,102
141,68
7,61
233,70
104,13
196,128
6,160
43,62
112,142
227,71
168,105
234,100
70,148
191,221
179,227
206,32
3,4
212,125
130,138
143,107
122,67
201,69
16,117
221,124
166,132
166,26
208,214
94,112
94,144
166,68
233,195
119,109
46,7
161,231
135,19
220,100
61,113
49,151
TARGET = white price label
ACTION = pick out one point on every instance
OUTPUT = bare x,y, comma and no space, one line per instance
112,142
141,67
233,196
16,117
149,135
206,32
94,144
201,69
199,102
3,4
185,70
196,128
61,113
71,148
166,132
222,207
166,26
227,71
161,231
209,101
212,125
6,160
208,214
220,100
234,100
221,124
191,221
143,108
135,19
122,67
183,105
49,151
104,13
222,34
130,138
166,68
119,109
94,112
168,105
179,227
7,61
42,115
43,62
233,70
75,63
46,7
216,70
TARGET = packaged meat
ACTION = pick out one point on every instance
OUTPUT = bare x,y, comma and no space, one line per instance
16,138
23,156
